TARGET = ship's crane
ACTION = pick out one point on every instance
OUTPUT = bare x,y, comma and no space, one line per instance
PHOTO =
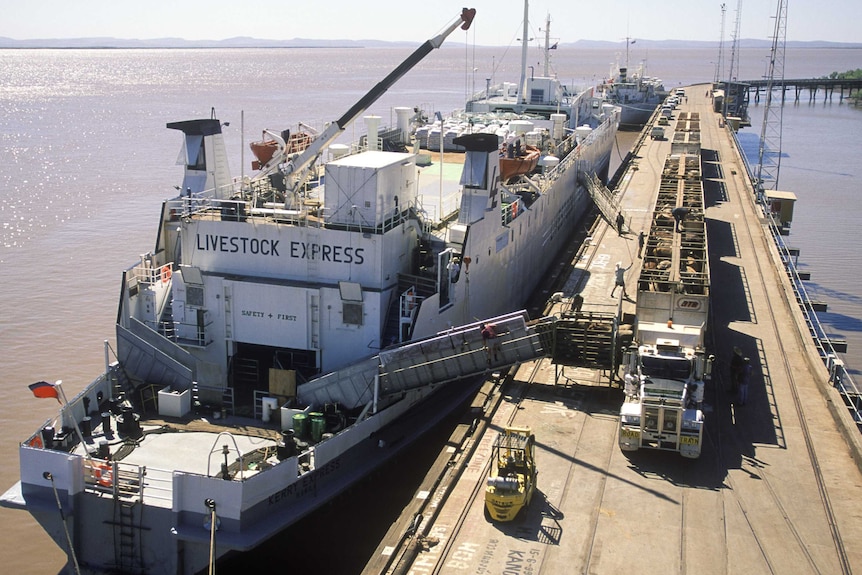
295,167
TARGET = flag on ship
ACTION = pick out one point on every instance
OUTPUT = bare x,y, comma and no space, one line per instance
44,389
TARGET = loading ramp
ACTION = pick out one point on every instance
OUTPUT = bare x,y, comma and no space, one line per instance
582,340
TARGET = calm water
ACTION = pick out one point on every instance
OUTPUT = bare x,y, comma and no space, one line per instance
86,160
820,164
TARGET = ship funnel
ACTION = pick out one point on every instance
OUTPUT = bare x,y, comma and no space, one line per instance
558,126
372,123
204,157
403,114
481,175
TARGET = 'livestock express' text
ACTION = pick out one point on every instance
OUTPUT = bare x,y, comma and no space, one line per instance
265,247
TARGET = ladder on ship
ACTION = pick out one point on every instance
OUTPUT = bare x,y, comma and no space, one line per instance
127,490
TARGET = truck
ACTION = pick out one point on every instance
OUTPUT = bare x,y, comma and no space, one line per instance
666,367
512,477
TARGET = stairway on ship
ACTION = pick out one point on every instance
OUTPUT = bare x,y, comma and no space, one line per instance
423,287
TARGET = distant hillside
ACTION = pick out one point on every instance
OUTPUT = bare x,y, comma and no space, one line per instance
744,43
239,42
246,42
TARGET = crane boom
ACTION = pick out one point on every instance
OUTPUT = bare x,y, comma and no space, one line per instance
302,161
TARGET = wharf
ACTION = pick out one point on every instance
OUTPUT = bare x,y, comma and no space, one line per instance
776,488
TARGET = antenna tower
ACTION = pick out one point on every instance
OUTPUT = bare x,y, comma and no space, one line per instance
719,66
769,156
731,91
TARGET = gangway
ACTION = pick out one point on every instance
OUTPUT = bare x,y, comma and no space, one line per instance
458,353
604,199
463,352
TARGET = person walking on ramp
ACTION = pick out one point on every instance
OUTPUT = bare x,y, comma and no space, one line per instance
489,337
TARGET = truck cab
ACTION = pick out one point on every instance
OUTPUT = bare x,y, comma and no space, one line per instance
664,385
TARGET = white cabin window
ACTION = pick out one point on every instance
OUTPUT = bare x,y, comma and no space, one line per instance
351,313
351,302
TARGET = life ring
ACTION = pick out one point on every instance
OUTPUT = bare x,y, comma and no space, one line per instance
104,475
36,442
166,273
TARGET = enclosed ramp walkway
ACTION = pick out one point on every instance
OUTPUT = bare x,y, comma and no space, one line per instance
465,351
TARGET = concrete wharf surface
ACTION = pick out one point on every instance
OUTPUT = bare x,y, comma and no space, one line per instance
777,487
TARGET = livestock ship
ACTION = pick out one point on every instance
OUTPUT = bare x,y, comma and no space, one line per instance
637,94
293,330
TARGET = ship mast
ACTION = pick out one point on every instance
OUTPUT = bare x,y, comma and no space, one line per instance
548,47
522,86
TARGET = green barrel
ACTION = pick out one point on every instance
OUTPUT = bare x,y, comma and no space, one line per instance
300,425
318,425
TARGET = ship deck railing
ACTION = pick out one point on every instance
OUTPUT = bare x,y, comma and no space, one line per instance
130,482
310,212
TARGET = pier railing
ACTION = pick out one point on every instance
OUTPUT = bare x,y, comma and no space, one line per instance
839,376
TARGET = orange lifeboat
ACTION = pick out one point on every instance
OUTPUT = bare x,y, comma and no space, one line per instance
264,150
517,163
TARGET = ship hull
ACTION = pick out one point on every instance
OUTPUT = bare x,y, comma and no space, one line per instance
516,257
635,116
169,541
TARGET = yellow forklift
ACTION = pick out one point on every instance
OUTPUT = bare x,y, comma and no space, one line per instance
512,479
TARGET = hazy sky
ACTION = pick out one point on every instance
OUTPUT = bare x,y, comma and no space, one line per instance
497,21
